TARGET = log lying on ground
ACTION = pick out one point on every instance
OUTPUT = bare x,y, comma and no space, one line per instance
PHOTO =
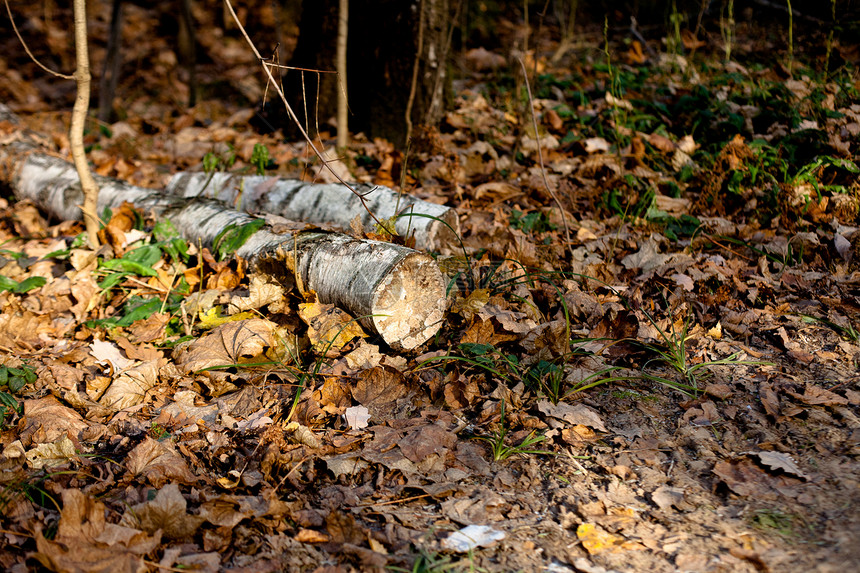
396,292
327,204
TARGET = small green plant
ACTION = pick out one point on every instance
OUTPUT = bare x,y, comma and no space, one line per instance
674,43
170,241
139,261
12,380
775,521
809,173
603,376
501,451
260,158
429,562
548,378
32,488
846,331
159,432
234,236
673,353
26,285
633,395
534,222
727,28
829,43
790,39
213,162
139,308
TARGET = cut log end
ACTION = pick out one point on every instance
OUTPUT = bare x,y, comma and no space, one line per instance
409,304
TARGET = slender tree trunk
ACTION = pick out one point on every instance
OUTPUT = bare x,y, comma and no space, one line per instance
342,118
188,49
79,119
110,70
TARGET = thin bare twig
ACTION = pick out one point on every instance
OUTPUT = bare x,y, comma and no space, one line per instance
292,114
269,63
540,158
27,49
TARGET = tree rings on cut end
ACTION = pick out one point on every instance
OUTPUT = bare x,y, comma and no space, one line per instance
409,303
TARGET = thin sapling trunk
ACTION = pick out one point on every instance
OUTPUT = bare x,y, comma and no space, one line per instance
79,119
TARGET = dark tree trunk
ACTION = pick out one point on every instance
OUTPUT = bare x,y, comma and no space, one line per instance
382,48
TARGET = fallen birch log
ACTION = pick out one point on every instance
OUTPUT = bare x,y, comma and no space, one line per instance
394,291
435,227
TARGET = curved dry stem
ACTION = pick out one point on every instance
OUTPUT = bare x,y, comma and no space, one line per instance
27,48
290,111
540,158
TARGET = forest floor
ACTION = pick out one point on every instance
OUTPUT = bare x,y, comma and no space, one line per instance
668,384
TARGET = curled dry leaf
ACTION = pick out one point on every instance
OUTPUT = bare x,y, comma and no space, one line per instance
779,461
167,512
574,414
86,542
329,328
262,293
46,420
51,455
130,387
380,389
158,463
228,344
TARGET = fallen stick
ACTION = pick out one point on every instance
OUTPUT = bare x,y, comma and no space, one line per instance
434,227
394,291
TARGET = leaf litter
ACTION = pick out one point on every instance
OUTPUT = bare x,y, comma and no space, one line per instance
161,408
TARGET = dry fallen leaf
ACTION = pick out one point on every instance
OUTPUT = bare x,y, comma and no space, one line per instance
329,328
131,386
46,420
86,542
262,293
574,414
228,344
50,455
159,463
779,461
166,513
597,540
357,417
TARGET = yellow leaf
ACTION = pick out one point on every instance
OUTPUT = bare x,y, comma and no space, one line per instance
716,332
597,540
212,317
471,304
329,328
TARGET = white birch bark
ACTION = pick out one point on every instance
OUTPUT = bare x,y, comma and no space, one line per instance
326,204
394,291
